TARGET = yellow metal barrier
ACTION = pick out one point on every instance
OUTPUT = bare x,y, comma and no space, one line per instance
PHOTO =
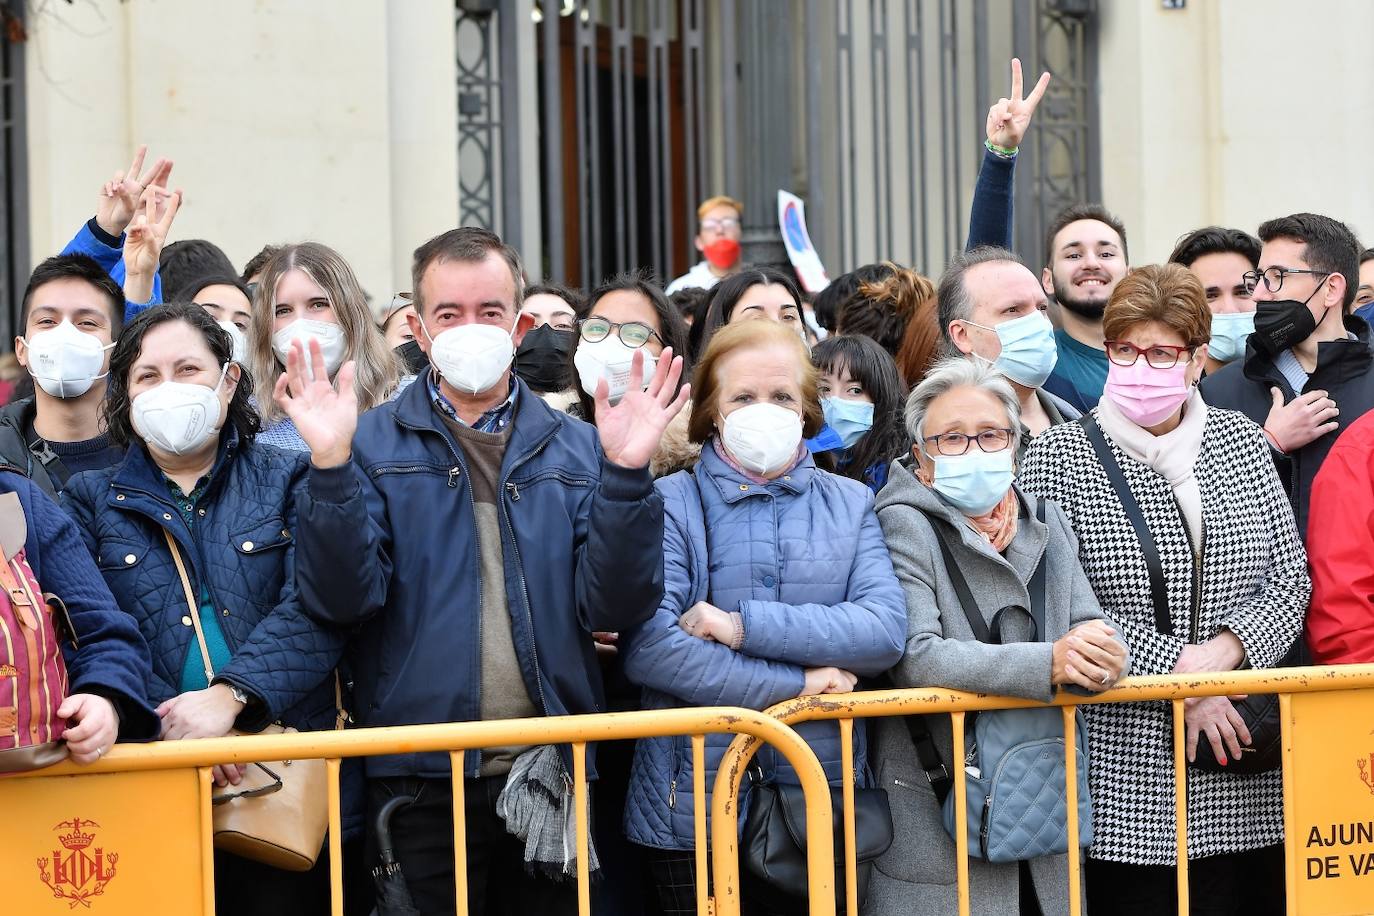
135,827
1328,769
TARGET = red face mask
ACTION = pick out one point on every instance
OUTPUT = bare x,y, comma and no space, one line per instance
722,253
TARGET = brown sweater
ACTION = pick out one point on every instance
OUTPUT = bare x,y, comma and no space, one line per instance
503,691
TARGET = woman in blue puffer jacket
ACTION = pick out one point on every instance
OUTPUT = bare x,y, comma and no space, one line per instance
777,584
194,474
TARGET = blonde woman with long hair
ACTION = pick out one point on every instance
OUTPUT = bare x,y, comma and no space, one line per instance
308,290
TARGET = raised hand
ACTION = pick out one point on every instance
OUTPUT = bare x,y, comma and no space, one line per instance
632,429
325,413
120,198
1009,118
148,233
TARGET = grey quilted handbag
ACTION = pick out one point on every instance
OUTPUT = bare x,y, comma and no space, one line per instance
1014,770
1014,758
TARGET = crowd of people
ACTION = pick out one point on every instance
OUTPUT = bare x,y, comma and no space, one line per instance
491,499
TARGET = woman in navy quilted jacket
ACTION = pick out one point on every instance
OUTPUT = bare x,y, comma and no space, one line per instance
194,475
777,584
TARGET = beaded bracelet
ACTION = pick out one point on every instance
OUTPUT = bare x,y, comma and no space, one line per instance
1004,152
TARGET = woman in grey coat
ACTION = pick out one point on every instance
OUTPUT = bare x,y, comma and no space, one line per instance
964,420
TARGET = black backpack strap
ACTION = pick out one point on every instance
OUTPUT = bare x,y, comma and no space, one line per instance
956,576
929,755
1158,592
1036,586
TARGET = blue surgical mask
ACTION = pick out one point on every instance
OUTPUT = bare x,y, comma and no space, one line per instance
974,482
1028,348
1229,331
850,419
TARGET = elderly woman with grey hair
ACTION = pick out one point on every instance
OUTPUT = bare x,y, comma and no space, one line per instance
955,522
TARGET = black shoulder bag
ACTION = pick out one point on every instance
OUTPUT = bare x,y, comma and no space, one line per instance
1260,711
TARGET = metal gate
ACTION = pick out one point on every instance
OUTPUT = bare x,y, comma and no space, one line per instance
871,110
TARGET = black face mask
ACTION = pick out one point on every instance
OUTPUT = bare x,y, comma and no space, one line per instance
1282,323
542,358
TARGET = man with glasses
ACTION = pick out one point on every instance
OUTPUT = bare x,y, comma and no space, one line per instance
473,538
1306,372
718,232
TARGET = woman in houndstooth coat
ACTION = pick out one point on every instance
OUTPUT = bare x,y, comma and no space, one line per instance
1218,516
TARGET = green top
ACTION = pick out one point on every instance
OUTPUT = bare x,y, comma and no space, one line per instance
193,669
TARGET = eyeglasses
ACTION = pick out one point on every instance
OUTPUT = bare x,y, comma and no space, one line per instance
727,224
632,333
989,440
1273,277
1160,356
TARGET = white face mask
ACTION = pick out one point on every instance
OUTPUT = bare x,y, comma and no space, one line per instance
330,336
178,417
65,362
240,349
471,357
763,438
610,358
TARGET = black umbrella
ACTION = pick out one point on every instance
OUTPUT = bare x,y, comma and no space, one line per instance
393,895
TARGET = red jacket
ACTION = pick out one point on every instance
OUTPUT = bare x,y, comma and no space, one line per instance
1340,547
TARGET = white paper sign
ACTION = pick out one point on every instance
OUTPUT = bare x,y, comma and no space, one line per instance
805,260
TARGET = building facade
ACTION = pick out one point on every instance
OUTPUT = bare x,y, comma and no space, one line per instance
585,131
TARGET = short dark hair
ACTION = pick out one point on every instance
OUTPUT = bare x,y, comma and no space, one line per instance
672,329
258,261
470,244
181,262
118,405
1216,240
196,286
731,290
688,301
952,298
1084,211
873,368
75,267
1366,255
576,299
1330,245
829,303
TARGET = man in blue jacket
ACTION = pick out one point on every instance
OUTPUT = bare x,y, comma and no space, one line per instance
475,538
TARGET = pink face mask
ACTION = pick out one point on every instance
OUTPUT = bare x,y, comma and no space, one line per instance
1146,395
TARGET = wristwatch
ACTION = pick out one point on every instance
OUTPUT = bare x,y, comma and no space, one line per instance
238,694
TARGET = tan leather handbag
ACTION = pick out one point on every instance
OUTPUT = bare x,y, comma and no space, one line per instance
279,814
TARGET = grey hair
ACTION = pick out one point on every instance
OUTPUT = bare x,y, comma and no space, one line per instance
952,299
959,372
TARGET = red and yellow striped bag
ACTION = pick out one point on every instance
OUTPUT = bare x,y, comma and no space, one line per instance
33,674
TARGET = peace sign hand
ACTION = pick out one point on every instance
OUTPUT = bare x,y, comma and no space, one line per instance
120,198
148,232
1009,118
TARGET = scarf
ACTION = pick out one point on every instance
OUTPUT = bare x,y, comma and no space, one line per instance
537,806
998,526
1171,456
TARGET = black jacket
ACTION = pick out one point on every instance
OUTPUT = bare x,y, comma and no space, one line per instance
14,448
1343,372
